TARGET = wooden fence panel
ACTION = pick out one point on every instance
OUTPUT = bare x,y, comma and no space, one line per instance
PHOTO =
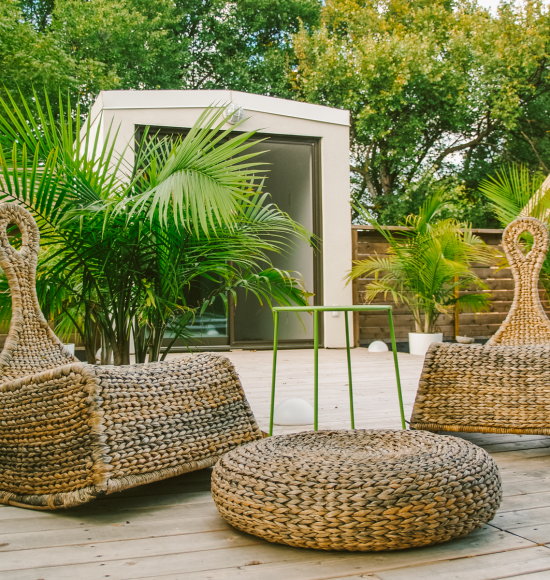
367,242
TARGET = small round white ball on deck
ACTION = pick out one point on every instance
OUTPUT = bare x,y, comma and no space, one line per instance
378,346
293,412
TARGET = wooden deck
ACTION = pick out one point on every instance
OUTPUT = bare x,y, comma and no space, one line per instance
171,530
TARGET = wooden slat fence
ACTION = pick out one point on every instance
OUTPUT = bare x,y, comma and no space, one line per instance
366,241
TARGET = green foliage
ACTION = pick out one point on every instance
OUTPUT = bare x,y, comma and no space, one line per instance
434,87
181,44
28,57
513,192
427,263
120,249
37,12
203,179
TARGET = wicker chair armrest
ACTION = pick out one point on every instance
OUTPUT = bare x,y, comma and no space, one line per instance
51,436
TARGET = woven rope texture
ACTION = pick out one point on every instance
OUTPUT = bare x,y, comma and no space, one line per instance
484,389
501,387
357,490
70,432
526,322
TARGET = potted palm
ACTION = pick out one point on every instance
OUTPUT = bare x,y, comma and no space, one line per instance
427,262
122,246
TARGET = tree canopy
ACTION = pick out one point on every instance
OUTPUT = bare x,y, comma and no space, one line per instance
139,44
436,88
441,92
29,57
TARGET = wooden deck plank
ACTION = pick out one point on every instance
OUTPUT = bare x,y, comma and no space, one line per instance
536,533
68,520
526,486
507,457
61,555
545,575
525,502
486,567
241,561
122,504
522,518
177,564
495,448
121,530
175,531
485,439
516,475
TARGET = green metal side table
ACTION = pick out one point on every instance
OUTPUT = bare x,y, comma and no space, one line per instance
316,310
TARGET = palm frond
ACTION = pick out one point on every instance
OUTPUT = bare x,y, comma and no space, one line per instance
513,192
203,182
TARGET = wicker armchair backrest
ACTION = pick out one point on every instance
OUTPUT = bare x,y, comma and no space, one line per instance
31,345
526,322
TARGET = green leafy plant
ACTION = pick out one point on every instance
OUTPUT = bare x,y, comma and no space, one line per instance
121,247
427,262
513,192
431,85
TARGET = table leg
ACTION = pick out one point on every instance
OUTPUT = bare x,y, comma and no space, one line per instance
396,364
349,372
274,373
316,370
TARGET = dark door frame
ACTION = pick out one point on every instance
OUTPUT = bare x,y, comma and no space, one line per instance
316,193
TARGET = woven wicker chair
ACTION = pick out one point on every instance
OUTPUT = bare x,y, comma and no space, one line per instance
70,432
501,387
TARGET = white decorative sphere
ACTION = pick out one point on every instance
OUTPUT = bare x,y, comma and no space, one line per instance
378,346
293,412
234,113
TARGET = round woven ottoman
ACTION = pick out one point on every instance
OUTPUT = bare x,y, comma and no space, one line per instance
357,490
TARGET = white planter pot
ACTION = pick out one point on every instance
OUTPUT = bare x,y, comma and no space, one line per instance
419,343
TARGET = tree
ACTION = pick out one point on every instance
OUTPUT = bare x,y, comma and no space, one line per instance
38,12
30,58
181,44
119,44
434,88
249,48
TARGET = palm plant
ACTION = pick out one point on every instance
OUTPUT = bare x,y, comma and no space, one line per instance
427,262
514,192
120,246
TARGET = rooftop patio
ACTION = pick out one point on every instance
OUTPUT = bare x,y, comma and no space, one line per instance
171,529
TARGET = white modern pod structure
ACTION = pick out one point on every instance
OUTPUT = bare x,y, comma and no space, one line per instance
308,152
